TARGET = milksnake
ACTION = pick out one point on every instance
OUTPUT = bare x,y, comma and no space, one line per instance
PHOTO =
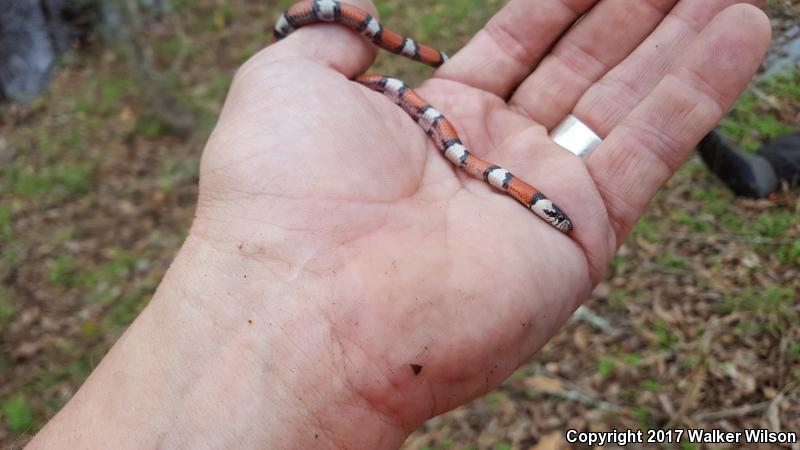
439,129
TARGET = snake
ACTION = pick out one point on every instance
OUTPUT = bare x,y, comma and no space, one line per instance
440,130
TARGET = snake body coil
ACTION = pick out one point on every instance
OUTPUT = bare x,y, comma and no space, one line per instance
439,129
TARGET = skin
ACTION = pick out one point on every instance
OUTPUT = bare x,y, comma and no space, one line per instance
334,247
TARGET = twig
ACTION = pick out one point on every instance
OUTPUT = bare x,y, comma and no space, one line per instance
746,410
666,404
582,397
773,413
730,413
585,314
567,391
764,98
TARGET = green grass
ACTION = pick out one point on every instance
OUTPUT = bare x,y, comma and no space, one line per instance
631,359
771,309
63,271
774,224
650,385
665,337
285,4
771,299
5,363
790,253
751,122
494,399
103,279
618,298
7,306
643,415
529,392
80,361
149,127
697,223
125,310
222,16
647,229
786,85
218,85
101,284
174,47
719,214
793,351
9,260
17,413
59,181
605,366
101,97
672,261
6,217
57,145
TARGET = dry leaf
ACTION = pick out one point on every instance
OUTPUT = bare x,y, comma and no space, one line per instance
545,384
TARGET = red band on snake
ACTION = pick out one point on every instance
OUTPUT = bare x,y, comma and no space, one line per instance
439,129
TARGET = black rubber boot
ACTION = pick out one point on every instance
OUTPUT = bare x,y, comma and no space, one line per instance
745,174
783,154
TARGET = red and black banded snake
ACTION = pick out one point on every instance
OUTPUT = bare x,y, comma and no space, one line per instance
435,125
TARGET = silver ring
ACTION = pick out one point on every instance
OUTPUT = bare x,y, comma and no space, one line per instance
576,136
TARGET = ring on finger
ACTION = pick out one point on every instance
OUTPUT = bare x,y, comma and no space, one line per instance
576,136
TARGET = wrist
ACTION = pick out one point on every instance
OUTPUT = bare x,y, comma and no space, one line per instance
225,357
276,366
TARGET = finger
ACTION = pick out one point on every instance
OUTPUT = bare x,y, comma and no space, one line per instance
332,45
506,50
605,104
650,143
600,41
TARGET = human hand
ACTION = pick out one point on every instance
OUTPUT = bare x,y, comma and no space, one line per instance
337,248
439,269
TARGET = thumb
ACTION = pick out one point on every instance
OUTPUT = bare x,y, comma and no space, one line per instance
329,44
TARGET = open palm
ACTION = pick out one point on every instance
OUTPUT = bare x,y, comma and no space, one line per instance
415,266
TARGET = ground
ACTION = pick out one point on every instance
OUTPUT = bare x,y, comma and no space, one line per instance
697,324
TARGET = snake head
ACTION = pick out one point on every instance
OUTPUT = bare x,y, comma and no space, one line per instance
551,213
562,222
